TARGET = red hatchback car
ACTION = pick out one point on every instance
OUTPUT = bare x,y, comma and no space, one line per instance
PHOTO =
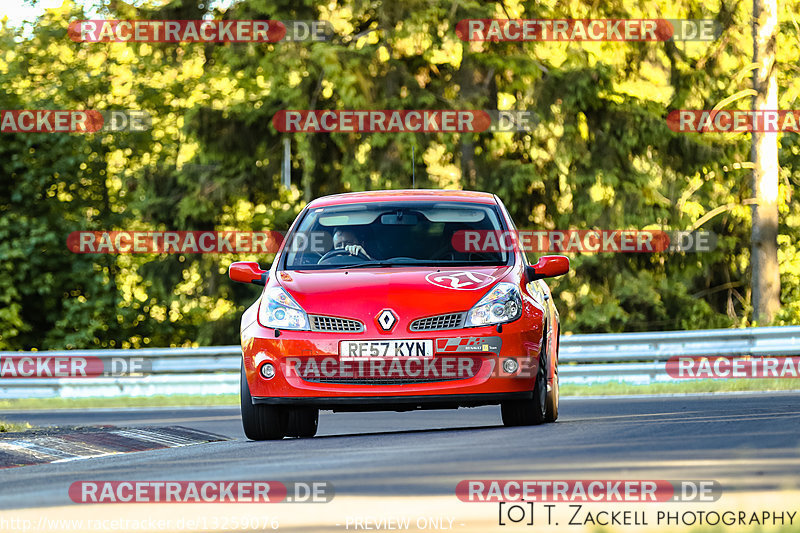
374,302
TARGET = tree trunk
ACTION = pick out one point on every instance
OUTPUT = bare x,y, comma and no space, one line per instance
764,236
467,92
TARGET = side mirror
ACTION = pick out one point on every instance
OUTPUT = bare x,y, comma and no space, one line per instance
248,272
548,266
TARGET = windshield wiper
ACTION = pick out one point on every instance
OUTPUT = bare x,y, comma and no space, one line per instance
367,264
377,264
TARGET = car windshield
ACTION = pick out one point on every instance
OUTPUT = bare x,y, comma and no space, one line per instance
391,234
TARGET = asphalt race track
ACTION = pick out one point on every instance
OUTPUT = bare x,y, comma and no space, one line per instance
747,442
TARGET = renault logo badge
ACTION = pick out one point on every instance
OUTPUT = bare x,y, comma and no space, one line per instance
386,320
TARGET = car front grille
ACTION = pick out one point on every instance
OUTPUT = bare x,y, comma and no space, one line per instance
335,324
433,323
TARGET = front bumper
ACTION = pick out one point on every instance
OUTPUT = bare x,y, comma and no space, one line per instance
486,384
397,403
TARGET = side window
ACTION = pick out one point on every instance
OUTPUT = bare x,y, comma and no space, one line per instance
525,258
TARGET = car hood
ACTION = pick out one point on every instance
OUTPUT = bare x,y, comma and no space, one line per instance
411,292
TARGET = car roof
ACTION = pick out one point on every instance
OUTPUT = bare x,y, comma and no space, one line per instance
406,195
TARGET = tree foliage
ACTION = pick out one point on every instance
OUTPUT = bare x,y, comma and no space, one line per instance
599,156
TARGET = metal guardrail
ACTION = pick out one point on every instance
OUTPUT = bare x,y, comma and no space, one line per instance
629,357
660,346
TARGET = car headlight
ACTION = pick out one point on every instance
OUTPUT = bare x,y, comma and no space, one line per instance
501,304
278,310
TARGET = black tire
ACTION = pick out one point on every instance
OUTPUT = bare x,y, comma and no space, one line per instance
260,422
534,411
552,394
303,422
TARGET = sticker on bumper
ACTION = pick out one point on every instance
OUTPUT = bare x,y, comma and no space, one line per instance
469,345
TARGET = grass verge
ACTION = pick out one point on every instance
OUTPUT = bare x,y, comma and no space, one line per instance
174,400
685,386
598,389
13,427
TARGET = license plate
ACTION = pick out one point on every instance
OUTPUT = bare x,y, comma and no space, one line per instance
388,348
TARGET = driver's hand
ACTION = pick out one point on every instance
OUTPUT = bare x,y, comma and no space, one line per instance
356,249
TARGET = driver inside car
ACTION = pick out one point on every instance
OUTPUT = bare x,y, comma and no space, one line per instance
345,239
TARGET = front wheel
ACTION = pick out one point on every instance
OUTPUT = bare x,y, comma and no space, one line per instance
533,411
260,422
